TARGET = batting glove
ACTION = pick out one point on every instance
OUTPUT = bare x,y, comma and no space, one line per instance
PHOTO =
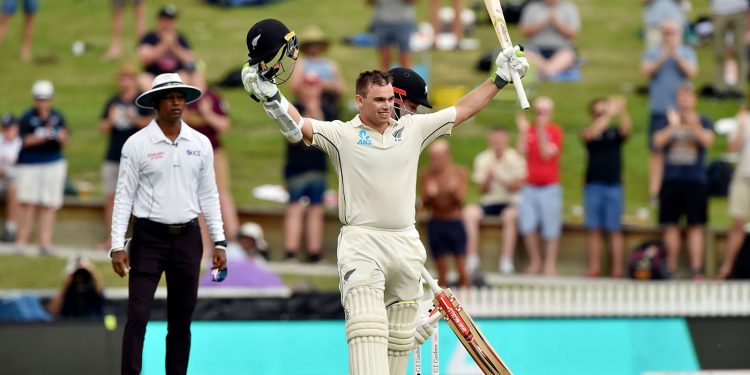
422,332
511,58
258,88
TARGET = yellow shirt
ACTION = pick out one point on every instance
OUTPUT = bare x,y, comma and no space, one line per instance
508,168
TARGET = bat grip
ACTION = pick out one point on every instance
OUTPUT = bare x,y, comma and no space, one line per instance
430,281
519,89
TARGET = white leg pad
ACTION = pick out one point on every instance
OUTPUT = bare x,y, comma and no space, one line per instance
366,331
401,317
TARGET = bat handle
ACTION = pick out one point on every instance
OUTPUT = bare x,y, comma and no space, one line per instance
519,89
428,278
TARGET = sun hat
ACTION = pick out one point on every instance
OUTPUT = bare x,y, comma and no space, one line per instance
42,89
313,36
254,231
167,82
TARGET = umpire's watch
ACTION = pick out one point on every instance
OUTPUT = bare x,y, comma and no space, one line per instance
220,245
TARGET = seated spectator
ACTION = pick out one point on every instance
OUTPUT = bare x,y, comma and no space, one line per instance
10,146
655,12
164,50
118,9
41,167
254,246
541,203
684,192
30,7
120,119
739,193
81,295
666,67
393,23
443,189
729,18
500,172
603,194
550,27
209,115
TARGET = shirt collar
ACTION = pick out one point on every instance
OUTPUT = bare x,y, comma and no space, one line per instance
356,122
157,135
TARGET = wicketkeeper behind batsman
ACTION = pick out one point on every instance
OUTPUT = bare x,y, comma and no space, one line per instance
380,255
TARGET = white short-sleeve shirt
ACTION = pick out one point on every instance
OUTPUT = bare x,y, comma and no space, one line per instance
377,173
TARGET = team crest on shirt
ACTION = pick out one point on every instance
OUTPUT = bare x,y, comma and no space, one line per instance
364,139
397,135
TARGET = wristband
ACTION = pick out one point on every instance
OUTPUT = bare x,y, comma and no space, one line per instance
220,245
498,81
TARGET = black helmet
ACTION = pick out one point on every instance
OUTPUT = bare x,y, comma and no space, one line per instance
264,41
410,85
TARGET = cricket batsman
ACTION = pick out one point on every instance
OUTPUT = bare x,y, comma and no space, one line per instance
380,255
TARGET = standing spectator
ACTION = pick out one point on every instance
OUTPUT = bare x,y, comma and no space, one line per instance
10,146
165,50
209,116
166,179
41,167
500,172
684,192
30,7
393,23
457,27
541,196
120,119
730,16
443,189
739,193
603,195
118,9
657,11
550,27
666,67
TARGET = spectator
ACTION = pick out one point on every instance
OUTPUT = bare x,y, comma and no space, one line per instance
81,295
209,116
730,16
316,80
252,241
165,50
41,167
393,23
657,11
684,192
317,84
120,119
739,193
30,7
541,196
666,67
550,27
457,28
500,172
443,189
10,146
603,195
118,9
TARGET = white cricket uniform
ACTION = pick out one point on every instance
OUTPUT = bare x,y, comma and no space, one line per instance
379,245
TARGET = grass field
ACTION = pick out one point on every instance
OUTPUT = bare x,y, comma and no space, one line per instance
609,44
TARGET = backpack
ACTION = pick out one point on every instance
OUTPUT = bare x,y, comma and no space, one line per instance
649,261
719,176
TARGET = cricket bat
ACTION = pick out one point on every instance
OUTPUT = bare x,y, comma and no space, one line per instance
501,29
466,330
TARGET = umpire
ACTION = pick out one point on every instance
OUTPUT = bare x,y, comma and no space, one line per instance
166,179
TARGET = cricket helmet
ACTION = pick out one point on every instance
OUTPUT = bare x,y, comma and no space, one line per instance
407,84
267,40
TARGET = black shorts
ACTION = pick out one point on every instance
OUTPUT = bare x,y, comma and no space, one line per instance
494,209
446,237
688,198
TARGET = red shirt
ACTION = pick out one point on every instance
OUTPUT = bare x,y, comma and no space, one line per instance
543,171
197,122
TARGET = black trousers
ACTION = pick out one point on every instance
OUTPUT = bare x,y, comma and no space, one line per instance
176,251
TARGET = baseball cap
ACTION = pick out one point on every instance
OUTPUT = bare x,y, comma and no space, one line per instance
254,231
168,11
8,119
42,89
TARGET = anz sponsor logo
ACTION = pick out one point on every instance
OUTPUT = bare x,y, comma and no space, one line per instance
194,152
364,139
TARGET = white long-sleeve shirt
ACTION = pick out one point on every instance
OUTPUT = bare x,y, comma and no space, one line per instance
166,182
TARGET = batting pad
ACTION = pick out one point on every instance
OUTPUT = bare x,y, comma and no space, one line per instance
401,317
366,331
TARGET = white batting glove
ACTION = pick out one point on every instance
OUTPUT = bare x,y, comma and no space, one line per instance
511,58
255,85
423,332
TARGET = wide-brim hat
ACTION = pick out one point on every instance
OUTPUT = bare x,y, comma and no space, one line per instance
167,82
313,36
254,231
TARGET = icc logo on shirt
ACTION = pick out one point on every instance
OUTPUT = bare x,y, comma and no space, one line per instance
194,152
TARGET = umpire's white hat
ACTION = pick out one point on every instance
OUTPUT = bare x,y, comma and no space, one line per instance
164,82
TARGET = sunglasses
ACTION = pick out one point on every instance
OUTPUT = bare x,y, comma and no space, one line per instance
218,275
